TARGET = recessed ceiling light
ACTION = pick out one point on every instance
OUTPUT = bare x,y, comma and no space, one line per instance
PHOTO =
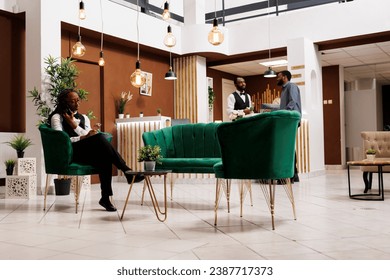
275,63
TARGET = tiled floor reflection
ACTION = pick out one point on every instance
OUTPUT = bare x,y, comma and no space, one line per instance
330,225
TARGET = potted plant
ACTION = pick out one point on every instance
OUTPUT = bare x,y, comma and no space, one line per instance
211,97
370,153
20,143
9,166
150,155
62,185
122,101
59,76
158,111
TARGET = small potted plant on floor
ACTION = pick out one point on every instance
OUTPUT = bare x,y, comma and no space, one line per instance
150,155
62,185
370,153
9,166
20,143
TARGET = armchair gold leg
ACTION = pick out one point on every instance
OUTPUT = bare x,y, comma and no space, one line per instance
171,184
143,193
218,185
268,189
48,176
77,191
244,186
289,191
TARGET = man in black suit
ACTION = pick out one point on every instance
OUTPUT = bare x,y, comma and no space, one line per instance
239,101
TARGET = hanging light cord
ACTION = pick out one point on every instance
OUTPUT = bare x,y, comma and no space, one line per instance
215,8
269,34
137,32
101,36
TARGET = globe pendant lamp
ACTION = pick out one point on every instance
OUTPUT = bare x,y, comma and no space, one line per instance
101,61
215,35
82,14
138,78
78,49
166,14
169,39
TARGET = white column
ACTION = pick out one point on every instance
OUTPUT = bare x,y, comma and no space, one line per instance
305,65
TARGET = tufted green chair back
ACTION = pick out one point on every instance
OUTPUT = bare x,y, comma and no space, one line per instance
258,147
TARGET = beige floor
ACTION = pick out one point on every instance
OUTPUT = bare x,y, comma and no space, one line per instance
330,225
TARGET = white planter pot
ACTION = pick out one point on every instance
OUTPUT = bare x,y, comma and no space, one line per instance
149,165
121,116
370,157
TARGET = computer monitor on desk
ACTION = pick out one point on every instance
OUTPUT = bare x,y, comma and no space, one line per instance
268,107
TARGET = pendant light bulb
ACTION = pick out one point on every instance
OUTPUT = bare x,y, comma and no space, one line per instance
169,39
269,73
78,49
170,75
82,14
101,59
138,78
215,35
166,14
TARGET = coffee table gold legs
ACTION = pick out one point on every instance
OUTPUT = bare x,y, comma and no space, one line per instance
127,198
161,215
156,207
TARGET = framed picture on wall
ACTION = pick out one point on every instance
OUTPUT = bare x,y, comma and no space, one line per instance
146,89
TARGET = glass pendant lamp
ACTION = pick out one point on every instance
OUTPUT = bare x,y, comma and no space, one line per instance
138,78
215,35
169,39
269,73
82,14
166,14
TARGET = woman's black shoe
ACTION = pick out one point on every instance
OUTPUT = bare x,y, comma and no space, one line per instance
138,178
106,203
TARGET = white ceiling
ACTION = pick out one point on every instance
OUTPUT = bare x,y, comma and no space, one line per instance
364,61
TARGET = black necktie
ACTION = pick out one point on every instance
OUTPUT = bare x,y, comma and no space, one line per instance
77,116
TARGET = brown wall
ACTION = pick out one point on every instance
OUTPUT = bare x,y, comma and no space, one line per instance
105,84
12,72
332,130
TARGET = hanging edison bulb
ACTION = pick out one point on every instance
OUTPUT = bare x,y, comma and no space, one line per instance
166,14
169,39
215,35
78,49
138,78
101,61
82,14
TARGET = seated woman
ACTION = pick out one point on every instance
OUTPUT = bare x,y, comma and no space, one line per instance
89,146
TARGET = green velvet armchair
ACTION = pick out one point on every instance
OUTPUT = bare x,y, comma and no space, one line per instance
260,148
58,153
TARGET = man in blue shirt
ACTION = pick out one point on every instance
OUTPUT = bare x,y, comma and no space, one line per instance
290,99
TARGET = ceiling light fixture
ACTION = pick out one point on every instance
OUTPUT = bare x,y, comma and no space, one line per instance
82,14
215,35
169,39
101,61
170,75
166,14
138,78
269,73
78,49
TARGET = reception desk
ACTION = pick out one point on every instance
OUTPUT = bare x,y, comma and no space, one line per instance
129,132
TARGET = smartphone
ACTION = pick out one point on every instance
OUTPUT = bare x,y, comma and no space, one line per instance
69,111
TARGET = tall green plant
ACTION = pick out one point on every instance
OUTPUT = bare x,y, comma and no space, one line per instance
59,76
